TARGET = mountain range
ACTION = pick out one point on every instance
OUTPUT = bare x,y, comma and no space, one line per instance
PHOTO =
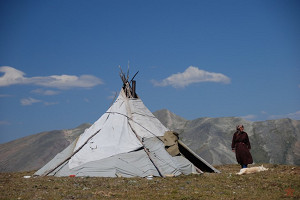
272,141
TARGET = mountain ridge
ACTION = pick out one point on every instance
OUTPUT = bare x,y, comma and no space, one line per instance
272,141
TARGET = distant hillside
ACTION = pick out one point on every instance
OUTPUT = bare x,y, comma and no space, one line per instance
34,151
170,120
274,141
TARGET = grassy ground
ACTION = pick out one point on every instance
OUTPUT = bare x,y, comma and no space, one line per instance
280,182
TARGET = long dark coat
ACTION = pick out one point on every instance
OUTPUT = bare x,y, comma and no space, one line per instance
241,145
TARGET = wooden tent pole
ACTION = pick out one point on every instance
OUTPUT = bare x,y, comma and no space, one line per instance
147,152
136,135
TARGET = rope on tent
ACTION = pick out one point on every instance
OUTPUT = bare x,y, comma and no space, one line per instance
149,132
132,165
162,160
144,115
68,158
46,173
145,149
136,123
147,152
60,168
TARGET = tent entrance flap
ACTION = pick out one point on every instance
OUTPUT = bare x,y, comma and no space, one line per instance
195,159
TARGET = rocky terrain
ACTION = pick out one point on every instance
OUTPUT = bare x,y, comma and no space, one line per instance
34,151
274,141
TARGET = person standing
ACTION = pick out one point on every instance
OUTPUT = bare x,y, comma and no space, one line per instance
241,146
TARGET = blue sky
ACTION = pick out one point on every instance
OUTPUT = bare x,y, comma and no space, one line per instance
59,59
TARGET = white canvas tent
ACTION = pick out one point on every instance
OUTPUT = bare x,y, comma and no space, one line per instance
124,142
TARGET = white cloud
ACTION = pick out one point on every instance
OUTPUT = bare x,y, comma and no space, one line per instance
45,92
249,117
50,103
264,112
191,75
294,115
4,123
113,95
13,76
5,95
29,101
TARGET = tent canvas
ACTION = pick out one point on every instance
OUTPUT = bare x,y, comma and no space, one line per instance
125,141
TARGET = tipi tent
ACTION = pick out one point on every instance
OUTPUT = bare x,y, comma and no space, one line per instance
126,141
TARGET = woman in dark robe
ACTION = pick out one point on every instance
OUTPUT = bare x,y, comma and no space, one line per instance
241,146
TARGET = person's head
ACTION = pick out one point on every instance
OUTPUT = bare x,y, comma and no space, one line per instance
240,127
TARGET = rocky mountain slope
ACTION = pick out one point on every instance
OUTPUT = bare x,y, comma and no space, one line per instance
274,141
34,151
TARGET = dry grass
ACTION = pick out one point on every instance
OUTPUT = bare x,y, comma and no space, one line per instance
280,182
